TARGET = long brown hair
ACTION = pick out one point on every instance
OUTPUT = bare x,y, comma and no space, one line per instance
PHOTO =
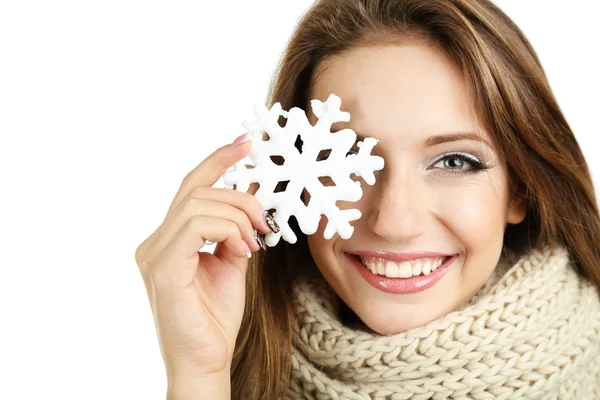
513,100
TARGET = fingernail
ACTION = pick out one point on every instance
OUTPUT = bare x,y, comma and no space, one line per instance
246,249
241,139
271,222
260,240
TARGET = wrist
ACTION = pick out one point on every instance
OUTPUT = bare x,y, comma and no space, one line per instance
186,386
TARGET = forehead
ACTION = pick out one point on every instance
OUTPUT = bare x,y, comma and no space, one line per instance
410,90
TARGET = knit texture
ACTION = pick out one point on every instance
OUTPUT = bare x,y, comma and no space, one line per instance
531,332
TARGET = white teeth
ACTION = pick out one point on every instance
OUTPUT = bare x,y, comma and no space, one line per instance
427,267
417,269
391,270
405,269
381,268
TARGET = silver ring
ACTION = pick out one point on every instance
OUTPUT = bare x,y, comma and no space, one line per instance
208,243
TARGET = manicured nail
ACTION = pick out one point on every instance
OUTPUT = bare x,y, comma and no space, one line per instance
241,139
246,249
260,240
271,222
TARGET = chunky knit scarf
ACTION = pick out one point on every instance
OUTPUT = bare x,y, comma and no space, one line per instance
531,332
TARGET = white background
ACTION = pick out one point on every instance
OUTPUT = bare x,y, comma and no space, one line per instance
104,107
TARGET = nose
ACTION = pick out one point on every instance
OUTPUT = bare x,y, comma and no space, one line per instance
399,207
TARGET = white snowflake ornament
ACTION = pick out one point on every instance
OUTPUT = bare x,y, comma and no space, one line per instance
302,169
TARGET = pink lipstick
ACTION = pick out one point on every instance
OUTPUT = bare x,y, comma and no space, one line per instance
401,285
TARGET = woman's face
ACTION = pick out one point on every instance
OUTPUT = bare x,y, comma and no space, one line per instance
413,101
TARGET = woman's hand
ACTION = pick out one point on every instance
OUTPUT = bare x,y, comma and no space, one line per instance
197,298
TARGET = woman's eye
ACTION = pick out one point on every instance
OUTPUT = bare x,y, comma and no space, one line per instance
460,163
454,162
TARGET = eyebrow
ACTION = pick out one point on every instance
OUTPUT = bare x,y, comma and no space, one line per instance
453,137
438,139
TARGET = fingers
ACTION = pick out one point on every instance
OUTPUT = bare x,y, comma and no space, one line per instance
240,200
195,208
170,266
208,172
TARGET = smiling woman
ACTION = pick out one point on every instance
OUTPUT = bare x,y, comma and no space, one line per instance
474,269
432,196
476,153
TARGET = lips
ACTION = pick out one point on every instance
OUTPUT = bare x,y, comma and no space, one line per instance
413,284
414,259
360,259
398,257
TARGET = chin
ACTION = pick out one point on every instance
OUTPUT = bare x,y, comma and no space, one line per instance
394,323
393,327
387,314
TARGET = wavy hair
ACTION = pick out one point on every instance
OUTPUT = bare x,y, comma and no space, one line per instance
514,102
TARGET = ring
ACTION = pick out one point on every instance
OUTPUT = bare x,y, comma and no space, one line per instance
208,242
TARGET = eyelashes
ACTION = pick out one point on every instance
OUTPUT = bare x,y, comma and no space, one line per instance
474,162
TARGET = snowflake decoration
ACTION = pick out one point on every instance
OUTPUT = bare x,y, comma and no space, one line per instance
302,169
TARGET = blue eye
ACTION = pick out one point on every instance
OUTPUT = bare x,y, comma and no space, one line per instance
454,163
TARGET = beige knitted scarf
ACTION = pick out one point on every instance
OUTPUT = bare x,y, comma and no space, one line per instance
531,332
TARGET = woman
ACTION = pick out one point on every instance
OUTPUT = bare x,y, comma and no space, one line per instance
481,169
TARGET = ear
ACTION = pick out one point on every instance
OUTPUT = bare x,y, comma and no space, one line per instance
517,209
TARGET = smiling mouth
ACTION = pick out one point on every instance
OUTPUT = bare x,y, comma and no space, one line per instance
405,269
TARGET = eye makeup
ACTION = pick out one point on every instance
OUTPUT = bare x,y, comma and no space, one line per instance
477,163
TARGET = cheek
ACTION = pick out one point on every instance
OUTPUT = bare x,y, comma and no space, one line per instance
476,213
